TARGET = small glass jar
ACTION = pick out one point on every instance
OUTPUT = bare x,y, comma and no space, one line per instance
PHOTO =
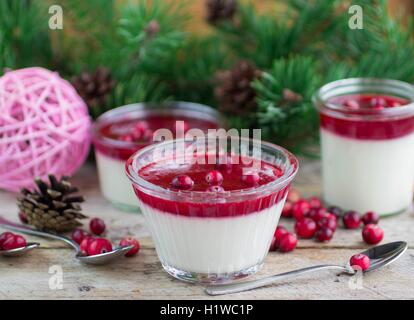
113,146
211,237
367,144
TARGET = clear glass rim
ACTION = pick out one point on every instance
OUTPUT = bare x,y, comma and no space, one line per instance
144,109
365,85
213,197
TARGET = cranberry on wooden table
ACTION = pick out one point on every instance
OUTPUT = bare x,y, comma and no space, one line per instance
351,220
370,217
305,228
97,226
288,242
372,234
300,209
324,234
280,231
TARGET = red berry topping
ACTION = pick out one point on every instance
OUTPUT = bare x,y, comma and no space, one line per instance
139,130
130,241
287,210
214,177
4,236
305,228
293,195
126,138
215,189
288,242
99,246
324,234
378,102
360,261
370,217
394,104
351,104
336,211
97,226
183,182
351,219
317,213
84,245
14,242
251,178
372,234
315,202
22,217
280,231
78,235
329,221
224,164
300,209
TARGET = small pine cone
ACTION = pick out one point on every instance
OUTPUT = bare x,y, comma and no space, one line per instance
52,206
234,93
220,10
94,87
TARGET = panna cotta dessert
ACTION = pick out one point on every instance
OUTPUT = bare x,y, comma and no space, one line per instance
367,141
120,132
212,221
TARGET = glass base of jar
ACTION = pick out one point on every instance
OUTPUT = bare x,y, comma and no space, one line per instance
126,207
410,208
211,278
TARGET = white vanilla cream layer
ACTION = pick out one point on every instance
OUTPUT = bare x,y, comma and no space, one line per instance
212,245
368,175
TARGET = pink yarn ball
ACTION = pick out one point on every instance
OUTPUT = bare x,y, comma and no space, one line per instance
44,127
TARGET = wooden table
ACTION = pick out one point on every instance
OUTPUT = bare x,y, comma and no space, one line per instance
143,278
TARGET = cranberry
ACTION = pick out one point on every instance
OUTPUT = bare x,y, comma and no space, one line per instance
378,102
351,104
215,189
148,135
287,210
130,241
99,246
23,217
84,245
139,130
394,104
4,236
315,202
251,178
279,233
14,242
288,242
214,177
336,211
305,228
351,219
329,221
372,234
300,209
78,235
360,261
277,172
317,213
293,196
182,182
324,234
370,217
97,226
126,138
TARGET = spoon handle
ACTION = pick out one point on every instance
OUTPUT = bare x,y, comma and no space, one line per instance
253,284
23,229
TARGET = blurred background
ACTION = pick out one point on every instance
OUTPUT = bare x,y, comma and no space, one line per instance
257,61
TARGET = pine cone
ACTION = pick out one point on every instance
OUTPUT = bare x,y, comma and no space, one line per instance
94,87
220,10
235,94
52,206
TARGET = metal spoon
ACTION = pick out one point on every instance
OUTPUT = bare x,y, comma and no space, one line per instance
98,259
380,256
19,251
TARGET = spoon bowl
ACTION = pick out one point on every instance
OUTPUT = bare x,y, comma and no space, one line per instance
98,259
19,251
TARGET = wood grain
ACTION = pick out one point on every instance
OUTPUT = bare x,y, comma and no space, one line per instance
142,277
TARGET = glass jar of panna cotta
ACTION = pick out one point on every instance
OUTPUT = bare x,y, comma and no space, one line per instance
120,132
211,228
367,142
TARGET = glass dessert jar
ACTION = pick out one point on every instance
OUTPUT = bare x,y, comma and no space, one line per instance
212,221
120,132
367,141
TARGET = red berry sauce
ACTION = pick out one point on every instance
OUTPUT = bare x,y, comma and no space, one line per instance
165,173
356,109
